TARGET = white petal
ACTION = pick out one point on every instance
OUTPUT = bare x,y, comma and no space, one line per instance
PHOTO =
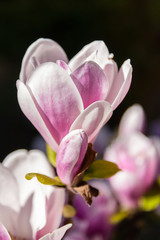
57,234
22,162
43,50
95,51
93,118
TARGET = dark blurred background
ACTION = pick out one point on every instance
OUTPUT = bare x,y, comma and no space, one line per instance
130,29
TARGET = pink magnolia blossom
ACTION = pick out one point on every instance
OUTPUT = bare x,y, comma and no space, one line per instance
28,209
58,97
136,156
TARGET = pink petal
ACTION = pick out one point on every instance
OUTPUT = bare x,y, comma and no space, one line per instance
54,207
70,155
43,50
34,113
138,162
4,235
57,234
120,85
146,155
133,120
93,118
156,142
95,51
128,194
91,82
56,95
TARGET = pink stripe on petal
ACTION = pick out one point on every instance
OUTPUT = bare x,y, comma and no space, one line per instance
91,82
4,235
64,66
34,113
121,85
57,96
70,155
93,118
44,50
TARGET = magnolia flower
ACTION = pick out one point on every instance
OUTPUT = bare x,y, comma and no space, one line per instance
136,156
28,209
93,222
58,97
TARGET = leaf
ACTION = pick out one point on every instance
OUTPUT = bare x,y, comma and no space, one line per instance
45,179
151,199
101,169
51,155
149,203
119,216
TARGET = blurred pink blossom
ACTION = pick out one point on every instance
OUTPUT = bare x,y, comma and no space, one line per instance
92,223
136,156
28,209
58,97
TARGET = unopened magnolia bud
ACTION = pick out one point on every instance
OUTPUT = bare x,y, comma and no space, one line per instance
70,155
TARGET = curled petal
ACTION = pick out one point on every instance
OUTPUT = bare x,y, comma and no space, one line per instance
93,118
121,85
57,96
132,120
70,155
42,50
96,51
4,235
34,113
91,82
57,234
